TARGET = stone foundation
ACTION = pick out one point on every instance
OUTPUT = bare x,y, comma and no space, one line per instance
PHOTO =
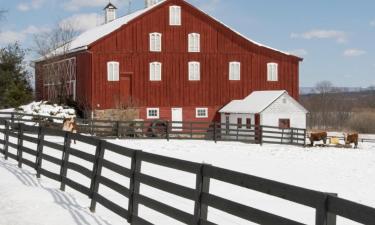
117,114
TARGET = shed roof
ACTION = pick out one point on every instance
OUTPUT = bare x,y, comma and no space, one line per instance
256,102
89,37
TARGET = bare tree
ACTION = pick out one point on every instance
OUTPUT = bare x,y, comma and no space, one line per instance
55,42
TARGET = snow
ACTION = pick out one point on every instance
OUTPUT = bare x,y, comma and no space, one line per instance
347,172
256,102
44,108
26,200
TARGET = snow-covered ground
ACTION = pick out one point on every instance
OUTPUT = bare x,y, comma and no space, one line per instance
347,172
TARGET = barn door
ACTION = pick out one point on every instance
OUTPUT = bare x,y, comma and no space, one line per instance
177,119
125,88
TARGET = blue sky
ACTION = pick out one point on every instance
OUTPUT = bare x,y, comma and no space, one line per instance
335,37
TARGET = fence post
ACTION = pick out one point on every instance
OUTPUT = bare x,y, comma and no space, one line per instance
134,187
6,144
12,118
167,130
118,129
19,145
65,160
332,218
304,137
39,152
261,135
322,215
292,135
215,138
202,186
97,171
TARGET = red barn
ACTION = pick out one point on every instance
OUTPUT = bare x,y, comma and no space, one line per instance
168,61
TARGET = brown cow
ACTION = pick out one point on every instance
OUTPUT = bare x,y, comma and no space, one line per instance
318,137
351,138
70,125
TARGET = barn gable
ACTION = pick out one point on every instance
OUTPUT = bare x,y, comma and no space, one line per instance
97,35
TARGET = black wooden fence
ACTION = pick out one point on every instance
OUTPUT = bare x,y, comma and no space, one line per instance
15,135
159,129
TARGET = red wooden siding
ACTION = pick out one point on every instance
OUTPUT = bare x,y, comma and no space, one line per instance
129,45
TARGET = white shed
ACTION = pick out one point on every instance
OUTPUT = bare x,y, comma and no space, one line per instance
266,108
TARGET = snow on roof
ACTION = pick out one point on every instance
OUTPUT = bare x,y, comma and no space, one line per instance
256,102
90,36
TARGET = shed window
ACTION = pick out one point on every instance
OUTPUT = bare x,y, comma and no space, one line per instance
155,42
284,123
239,123
248,123
175,15
272,72
194,42
194,71
201,112
155,71
113,71
234,71
153,113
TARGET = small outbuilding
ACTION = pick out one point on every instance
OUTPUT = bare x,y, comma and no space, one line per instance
266,108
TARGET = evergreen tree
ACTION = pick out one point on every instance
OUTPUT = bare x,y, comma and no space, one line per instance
15,88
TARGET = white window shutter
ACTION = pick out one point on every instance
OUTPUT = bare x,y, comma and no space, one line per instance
116,72
276,72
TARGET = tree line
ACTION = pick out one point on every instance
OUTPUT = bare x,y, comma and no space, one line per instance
333,108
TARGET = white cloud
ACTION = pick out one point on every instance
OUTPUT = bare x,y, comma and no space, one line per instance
75,5
34,4
83,22
339,36
372,23
354,52
299,52
8,37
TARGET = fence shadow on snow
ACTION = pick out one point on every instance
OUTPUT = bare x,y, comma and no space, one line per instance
13,146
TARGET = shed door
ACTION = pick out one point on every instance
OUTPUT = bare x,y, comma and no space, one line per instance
177,117
125,87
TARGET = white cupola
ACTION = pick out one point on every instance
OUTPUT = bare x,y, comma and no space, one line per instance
110,12
149,3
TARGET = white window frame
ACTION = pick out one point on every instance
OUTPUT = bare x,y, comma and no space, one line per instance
272,72
175,15
200,116
234,70
155,71
194,44
155,42
194,71
157,116
113,71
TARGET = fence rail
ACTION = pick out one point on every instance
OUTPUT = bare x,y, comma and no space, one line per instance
327,205
159,129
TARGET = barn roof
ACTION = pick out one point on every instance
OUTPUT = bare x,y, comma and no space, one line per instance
256,102
87,38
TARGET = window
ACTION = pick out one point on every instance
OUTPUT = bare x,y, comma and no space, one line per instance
239,123
155,71
194,71
272,72
113,71
201,112
248,123
155,42
284,123
194,42
152,113
175,15
234,71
